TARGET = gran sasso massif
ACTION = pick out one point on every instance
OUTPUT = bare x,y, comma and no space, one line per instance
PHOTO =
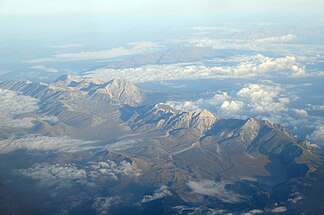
80,146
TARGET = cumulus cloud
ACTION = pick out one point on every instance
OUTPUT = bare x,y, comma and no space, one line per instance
103,204
300,112
253,66
216,189
219,98
134,48
231,106
158,194
318,135
298,71
263,98
216,100
40,143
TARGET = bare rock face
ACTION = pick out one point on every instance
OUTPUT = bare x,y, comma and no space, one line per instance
169,119
70,87
117,91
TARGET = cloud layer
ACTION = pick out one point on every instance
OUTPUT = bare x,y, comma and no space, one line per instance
13,107
133,49
41,143
216,189
252,66
55,173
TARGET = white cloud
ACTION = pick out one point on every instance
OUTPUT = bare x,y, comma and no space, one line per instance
18,111
158,194
219,98
112,169
135,48
283,38
232,106
263,98
40,143
52,172
279,210
254,211
298,71
252,66
184,105
103,204
300,112
14,107
193,105
315,107
216,189
318,135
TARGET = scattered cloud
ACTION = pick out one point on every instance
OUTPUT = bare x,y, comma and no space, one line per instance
263,98
300,112
315,107
283,38
279,210
112,169
231,106
254,211
216,189
318,135
158,194
103,204
92,171
219,98
52,172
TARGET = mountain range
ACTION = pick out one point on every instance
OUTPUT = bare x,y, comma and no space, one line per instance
166,161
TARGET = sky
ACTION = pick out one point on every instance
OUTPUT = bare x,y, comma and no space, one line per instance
314,8
19,7
21,19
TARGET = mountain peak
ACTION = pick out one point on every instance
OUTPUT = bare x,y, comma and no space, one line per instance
117,91
204,113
